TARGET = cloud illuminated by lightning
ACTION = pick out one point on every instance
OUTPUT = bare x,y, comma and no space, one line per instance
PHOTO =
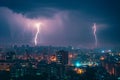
94,32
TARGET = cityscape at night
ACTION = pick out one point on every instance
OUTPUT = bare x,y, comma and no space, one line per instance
59,40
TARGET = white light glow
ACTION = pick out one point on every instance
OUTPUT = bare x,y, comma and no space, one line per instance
94,32
37,25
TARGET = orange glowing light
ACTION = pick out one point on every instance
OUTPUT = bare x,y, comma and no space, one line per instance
53,58
8,69
79,71
70,56
90,64
102,58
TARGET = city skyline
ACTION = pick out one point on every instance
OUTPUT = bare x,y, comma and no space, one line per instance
63,22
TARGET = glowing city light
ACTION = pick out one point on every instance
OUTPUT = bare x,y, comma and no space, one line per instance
53,58
102,58
109,50
79,71
77,64
70,56
102,51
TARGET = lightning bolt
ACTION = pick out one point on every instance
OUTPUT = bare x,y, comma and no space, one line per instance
94,32
36,35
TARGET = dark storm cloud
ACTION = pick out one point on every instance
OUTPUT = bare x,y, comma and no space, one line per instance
71,31
11,25
77,18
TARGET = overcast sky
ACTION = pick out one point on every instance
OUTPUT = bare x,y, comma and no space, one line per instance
65,22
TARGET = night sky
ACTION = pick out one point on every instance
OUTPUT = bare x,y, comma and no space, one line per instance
65,22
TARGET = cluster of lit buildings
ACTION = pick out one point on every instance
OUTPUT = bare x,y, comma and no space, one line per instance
59,63
111,62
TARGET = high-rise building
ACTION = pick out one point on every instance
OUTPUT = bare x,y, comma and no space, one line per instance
62,57
10,56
